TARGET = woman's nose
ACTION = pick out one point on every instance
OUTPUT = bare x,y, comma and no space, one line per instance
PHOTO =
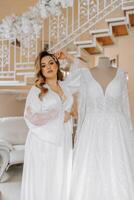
49,66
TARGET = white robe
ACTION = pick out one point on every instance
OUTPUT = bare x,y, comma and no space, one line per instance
48,148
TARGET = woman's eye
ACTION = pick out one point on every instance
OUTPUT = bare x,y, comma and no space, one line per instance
51,63
43,66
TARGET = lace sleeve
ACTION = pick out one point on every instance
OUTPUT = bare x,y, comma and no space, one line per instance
34,115
125,102
73,80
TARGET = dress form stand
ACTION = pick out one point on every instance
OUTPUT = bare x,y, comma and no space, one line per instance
103,73
104,62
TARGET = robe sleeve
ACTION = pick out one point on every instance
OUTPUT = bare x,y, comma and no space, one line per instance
77,82
34,115
73,80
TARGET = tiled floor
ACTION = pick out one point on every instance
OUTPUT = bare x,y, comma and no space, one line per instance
10,190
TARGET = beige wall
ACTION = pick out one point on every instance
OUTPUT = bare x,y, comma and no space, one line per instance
17,7
9,106
124,47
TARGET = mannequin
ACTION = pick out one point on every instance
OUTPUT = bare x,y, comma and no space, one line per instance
103,73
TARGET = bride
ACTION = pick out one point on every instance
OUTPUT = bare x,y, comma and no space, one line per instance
48,149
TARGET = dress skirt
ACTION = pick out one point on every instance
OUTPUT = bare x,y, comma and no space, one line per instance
103,166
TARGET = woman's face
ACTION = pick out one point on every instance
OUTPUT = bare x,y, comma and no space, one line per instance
49,67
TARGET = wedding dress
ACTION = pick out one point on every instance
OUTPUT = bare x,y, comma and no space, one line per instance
103,162
48,149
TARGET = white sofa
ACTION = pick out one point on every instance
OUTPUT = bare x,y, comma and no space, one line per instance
13,133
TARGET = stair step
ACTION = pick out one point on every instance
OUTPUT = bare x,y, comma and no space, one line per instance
130,17
24,73
118,26
7,79
12,83
120,30
126,8
105,40
7,74
118,19
94,48
74,53
98,31
25,68
24,63
85,42
90,46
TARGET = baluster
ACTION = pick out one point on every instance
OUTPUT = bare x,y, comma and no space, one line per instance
58,29
79,12
73,18
14,63
42,37
49,28
67,24
9,54
2,59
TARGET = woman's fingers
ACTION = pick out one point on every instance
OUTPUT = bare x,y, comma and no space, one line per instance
67,116
60,55
57,55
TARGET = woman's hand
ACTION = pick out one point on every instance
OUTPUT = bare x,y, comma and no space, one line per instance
64,55
67,116
61,55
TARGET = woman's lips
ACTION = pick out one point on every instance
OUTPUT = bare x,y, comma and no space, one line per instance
50,71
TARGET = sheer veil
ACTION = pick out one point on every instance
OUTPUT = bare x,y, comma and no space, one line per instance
78,81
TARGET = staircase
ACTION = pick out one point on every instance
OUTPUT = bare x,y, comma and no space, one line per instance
82,30
99,37
118,26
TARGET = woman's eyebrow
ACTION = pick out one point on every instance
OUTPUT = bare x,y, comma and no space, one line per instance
48,62
42,63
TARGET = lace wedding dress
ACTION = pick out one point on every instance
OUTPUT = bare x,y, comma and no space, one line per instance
48,149
103,163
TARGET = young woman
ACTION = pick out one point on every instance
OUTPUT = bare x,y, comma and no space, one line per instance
48,149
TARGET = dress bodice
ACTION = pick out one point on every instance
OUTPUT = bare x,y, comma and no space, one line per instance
114,100
93,99
108,101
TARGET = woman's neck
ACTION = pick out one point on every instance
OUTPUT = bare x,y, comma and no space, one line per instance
104,63
52,82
